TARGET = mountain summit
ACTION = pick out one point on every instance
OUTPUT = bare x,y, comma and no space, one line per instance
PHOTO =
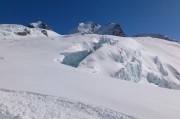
85,28
39,24
94,28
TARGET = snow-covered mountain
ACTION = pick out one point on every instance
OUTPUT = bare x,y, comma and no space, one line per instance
38,24
94,28
16,31
160,36
87,76
85,28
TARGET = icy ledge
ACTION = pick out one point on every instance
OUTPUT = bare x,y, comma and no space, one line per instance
27,105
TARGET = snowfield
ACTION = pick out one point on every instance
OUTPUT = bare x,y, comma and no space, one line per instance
37,106
87,76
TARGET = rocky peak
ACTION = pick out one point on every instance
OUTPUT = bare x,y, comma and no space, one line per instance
94,28
111,29
39,24
85,28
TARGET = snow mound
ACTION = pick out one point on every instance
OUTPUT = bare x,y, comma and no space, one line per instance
21,105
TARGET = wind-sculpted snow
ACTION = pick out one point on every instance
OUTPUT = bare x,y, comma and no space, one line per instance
27,105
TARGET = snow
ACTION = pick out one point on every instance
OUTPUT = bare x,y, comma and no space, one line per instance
39,84
11,30
111,29
94,28
160,36
85,28
36,24
37,106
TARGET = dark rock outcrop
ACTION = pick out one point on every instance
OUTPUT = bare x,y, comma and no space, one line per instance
111,29
94,28
23,33
85,28
44,32
39,24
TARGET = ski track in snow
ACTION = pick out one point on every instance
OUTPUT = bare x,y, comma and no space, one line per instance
27,105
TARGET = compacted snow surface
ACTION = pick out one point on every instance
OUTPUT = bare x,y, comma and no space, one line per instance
87,76
37,106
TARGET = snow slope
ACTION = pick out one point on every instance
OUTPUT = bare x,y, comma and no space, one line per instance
138,60
160,36
36,64
38,106
16,31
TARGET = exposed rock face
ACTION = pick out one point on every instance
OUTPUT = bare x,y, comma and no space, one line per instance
94,28
85,28
111,29
44,32
24,32
21,33
160,36
39,24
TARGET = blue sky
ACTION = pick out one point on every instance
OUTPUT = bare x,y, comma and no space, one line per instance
151,16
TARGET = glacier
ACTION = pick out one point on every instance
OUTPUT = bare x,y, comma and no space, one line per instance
87,76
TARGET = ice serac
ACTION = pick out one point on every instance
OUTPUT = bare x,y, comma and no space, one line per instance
94,28
160,36
124,58
75,58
